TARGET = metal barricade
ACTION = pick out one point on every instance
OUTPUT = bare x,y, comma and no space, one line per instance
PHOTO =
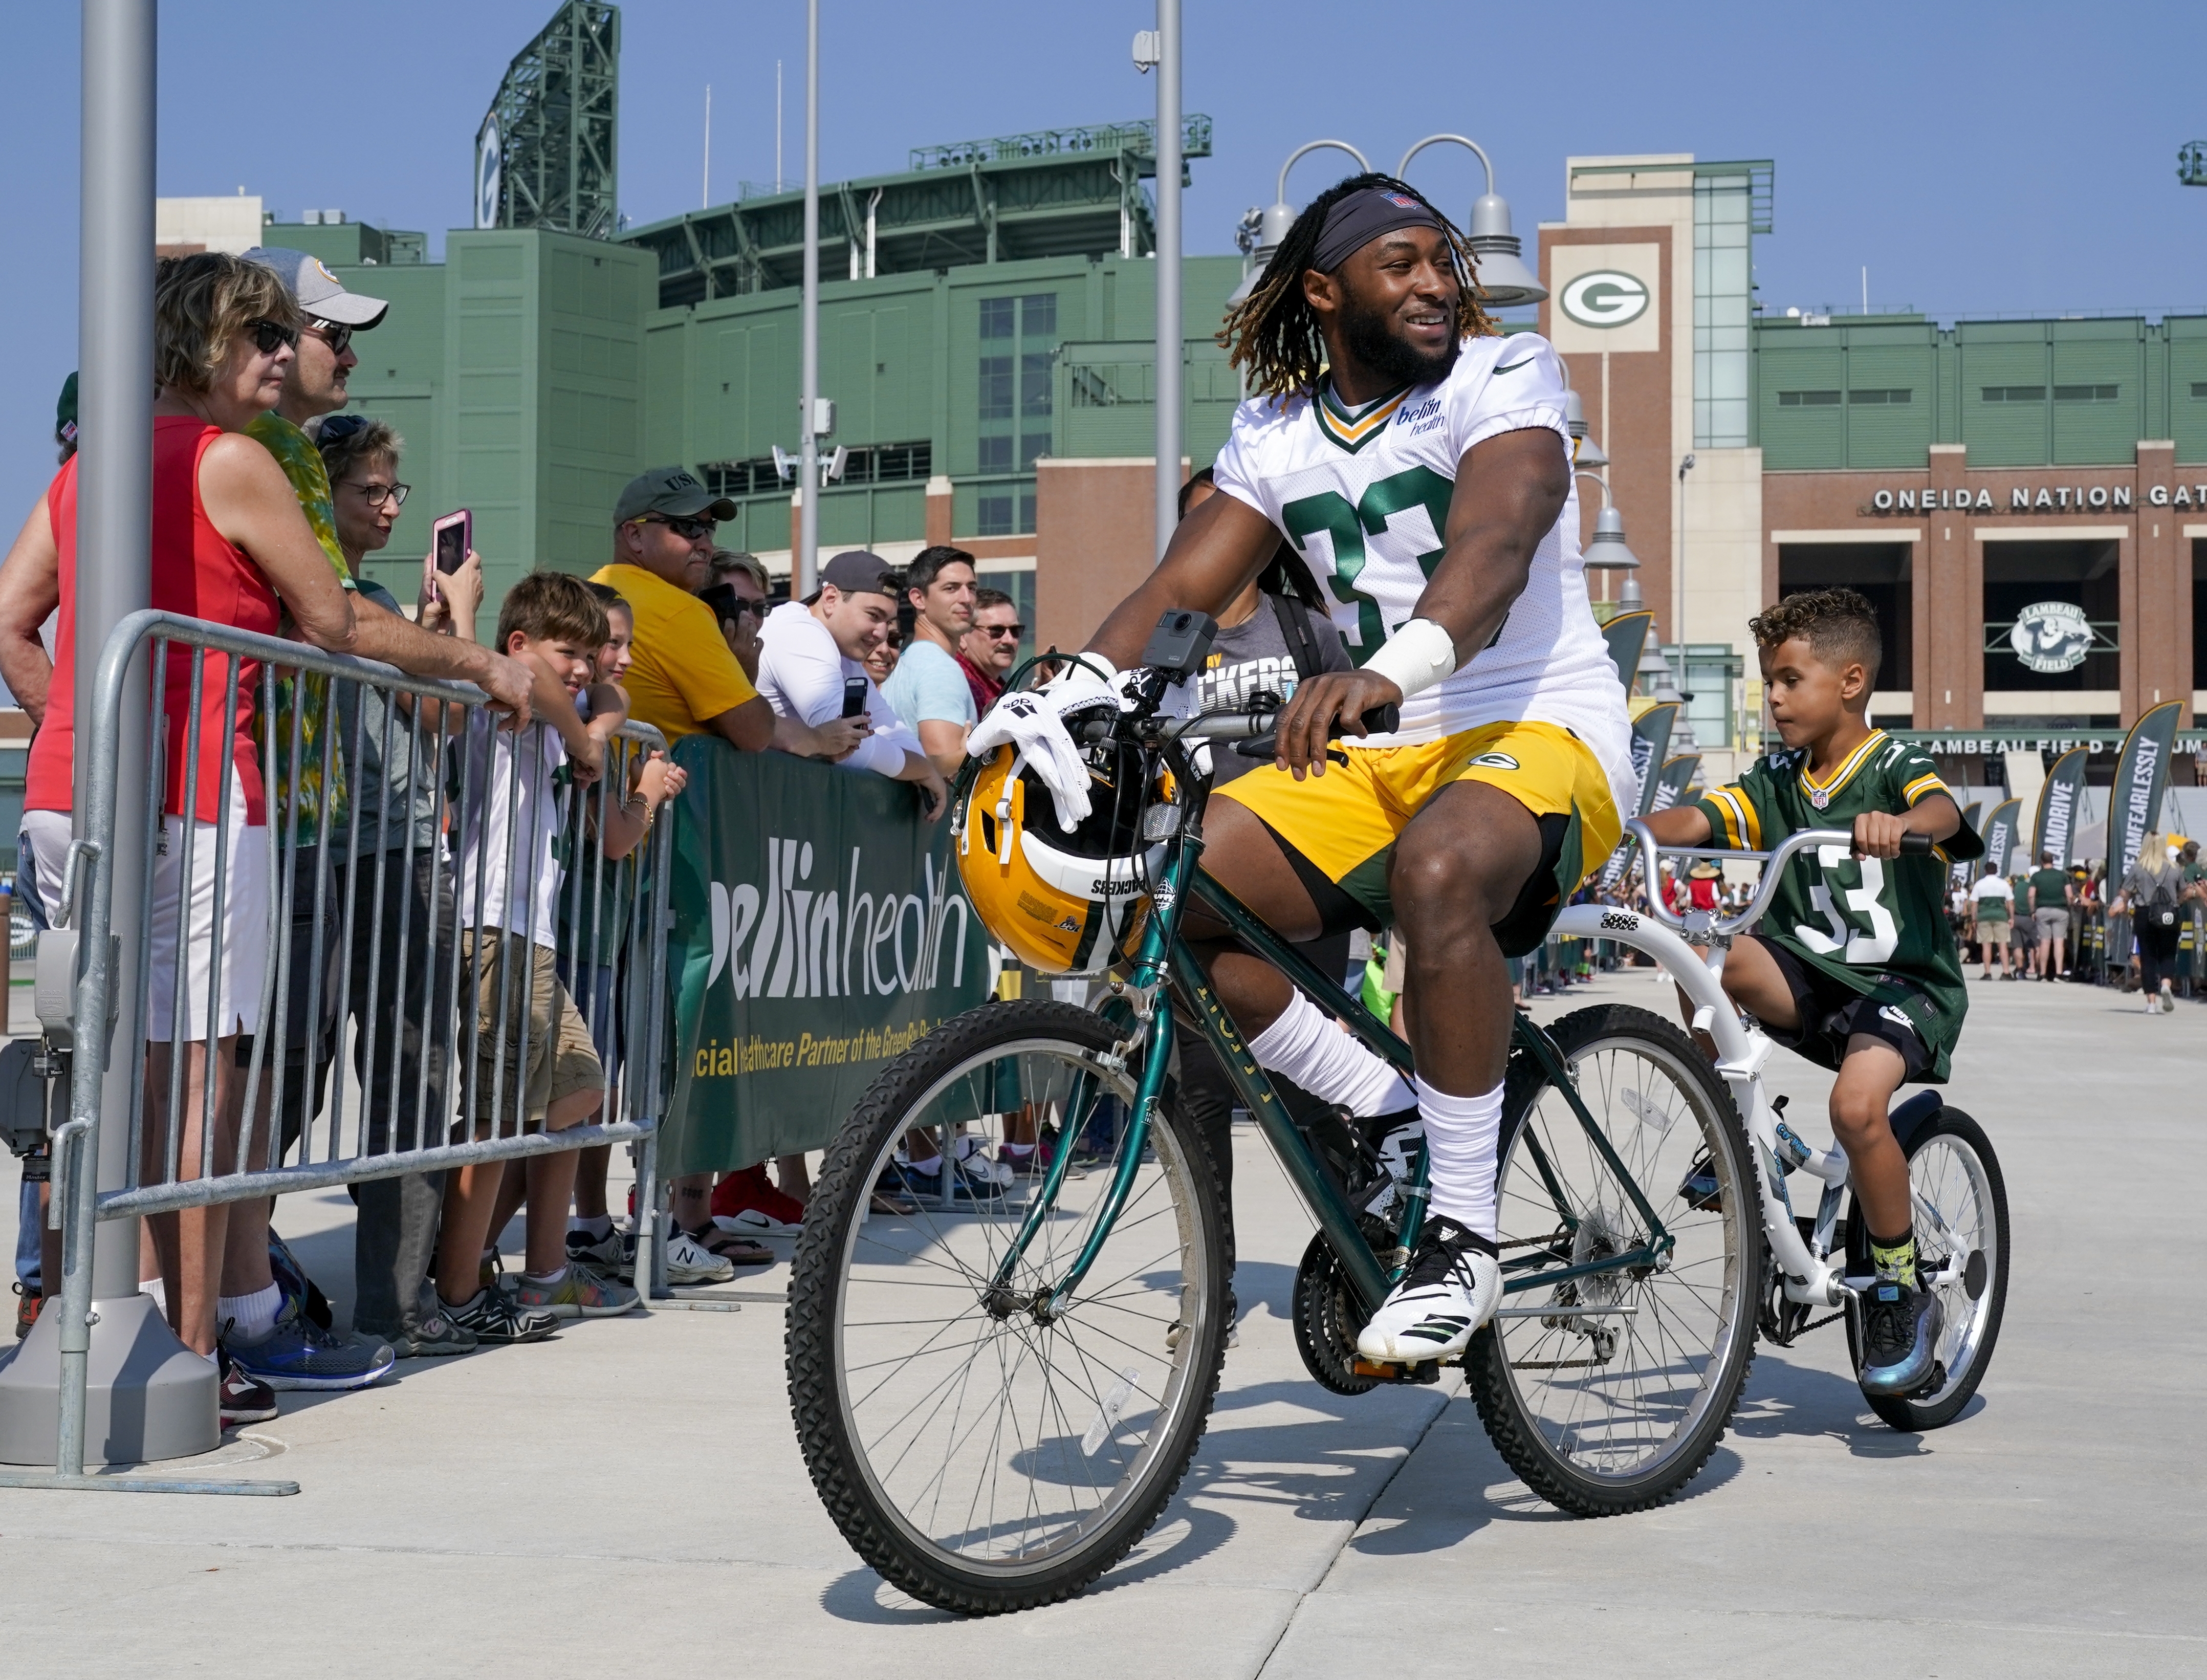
414,852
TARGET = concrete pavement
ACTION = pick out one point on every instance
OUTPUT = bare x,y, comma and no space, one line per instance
631,1493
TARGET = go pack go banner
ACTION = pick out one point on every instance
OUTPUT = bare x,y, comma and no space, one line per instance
818,930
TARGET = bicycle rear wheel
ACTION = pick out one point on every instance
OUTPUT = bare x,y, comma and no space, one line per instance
1608,1392
978,1450
1961,1204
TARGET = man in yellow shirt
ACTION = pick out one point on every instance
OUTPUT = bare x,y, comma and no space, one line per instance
684,680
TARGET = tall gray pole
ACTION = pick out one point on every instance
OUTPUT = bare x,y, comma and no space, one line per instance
115,497
1168,260
110,1383
806,561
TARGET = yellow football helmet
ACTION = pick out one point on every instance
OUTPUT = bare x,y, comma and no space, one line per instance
1065,902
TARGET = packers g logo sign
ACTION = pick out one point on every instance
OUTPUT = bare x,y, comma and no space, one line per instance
1606,297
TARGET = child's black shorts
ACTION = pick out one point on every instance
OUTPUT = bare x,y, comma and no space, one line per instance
1831,1013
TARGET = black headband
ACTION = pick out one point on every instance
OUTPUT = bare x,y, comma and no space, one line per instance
1361,218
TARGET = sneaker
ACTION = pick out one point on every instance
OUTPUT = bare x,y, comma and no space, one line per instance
746,1203
580,1293
245,1397
26,1309
1452,1288
299,1353
437,1336
1900,1337
689,1261
1402,1142
973,1157
492,1315
612,1254
490,1273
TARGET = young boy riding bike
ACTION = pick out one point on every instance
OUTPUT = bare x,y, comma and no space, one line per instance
1857,969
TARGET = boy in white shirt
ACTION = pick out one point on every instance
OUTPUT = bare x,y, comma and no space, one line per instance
810,650
527,1059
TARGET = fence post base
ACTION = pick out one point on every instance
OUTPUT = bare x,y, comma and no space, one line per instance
148,1396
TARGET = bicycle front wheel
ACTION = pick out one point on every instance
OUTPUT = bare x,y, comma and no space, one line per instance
981,1445
1606,1379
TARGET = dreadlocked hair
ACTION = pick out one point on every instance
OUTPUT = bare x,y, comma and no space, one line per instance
1273,334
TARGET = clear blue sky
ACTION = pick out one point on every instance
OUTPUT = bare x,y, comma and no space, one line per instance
1976,159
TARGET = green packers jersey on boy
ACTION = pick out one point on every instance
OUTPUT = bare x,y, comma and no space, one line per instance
1877,925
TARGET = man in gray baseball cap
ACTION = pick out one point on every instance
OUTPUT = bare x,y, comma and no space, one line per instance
321,296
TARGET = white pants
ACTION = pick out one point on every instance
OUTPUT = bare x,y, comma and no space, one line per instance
47,833
234,956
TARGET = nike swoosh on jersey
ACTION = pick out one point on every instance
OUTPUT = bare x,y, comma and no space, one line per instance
1514,366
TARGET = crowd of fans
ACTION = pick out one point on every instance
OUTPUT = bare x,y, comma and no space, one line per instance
267,500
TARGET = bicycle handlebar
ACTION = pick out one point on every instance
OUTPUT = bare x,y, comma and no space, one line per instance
1219,725
1773,870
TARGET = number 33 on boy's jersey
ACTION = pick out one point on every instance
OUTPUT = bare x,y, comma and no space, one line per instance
1851,943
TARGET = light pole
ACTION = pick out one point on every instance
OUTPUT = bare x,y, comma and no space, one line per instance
1163,51
1606,551
806,567
1678,559
1272,227
1503,276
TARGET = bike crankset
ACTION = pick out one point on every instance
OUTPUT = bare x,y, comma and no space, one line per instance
1326,1320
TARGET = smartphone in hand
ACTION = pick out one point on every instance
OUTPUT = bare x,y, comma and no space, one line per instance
451,539
854,696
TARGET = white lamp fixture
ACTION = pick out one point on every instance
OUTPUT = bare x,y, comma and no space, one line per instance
1607,548
1503,276
1273,224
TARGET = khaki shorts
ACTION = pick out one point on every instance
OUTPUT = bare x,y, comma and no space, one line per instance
2051,924
552,1059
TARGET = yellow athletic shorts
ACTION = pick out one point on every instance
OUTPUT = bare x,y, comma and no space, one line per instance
1342,827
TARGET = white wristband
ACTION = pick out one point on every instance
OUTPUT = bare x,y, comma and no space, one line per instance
1416,657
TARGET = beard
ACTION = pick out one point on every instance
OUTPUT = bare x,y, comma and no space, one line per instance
1370,337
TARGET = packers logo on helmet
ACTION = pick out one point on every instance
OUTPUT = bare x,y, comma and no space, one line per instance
1065,902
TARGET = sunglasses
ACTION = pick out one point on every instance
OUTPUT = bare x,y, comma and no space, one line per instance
690,530
998,632
375,494
266,335
339,339
757,609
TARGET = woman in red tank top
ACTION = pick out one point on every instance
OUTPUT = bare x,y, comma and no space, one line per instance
229,541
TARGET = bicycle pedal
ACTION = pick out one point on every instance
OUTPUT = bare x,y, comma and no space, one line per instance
1933,1383
1385,1371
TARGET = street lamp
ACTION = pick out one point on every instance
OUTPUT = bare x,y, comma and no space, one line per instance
1585,451
1607,548
1503,276
1272,227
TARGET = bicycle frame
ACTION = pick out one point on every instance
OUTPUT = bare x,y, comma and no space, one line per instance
1676,944
1165,966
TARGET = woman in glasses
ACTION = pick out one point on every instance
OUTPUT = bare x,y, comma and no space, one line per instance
230,545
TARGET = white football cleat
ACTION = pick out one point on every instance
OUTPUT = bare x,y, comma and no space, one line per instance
1452,1288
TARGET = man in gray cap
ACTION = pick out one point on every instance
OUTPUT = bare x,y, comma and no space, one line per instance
809,649
684,680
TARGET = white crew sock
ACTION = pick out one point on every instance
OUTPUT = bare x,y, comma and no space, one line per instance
597,1229
1304,1045
251,1317
159,1289
1461,1134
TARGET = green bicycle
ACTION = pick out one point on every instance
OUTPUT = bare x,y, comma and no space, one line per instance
997,1393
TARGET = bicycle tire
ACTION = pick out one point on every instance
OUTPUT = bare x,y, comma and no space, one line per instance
1973,1322
1533,1444
828,1279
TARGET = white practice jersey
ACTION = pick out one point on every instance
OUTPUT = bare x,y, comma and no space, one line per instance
1364,498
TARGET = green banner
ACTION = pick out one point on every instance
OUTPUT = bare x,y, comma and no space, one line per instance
1650,747
2141,778
1964,871
1672,782
2000,835
1626,634
817,931
2060,801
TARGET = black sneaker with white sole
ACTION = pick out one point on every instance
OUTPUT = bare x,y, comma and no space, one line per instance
1453,1285
1900,1337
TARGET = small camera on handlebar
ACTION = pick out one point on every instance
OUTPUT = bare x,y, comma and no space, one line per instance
1180,643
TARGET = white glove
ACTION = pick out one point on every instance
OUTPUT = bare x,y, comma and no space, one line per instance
1033,723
